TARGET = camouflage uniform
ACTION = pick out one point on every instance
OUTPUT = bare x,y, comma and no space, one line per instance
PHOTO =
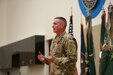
64,49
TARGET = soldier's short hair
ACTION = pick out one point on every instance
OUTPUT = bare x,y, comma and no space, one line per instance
63,19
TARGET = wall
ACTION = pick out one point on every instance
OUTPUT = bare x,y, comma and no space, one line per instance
96,39
23,18
3,22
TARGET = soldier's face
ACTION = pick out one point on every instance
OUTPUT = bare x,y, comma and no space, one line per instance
57,25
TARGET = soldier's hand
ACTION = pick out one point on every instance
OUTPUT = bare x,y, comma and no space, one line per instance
50,58
41,57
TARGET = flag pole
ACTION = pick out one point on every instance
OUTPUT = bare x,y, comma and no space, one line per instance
71,11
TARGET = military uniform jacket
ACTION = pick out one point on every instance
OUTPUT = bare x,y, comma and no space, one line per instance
64,49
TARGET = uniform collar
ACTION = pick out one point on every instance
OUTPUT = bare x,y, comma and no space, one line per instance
58,38
60,35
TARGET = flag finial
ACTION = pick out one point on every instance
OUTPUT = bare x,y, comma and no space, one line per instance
71,11
110,3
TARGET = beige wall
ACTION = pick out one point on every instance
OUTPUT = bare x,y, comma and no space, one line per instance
23,18
3,22
96,38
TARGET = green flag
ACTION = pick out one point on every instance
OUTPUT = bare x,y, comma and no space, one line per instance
109,43
90,48
105,54
103,22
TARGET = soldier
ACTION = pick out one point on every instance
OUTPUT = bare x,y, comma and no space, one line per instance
63,50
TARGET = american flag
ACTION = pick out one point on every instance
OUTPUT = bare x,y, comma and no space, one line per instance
71,32
71,24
